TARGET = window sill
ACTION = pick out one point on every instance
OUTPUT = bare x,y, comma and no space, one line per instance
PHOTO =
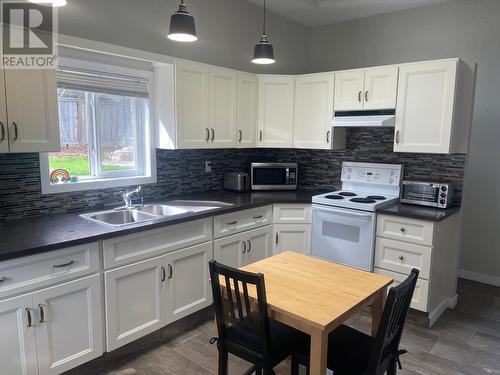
48,188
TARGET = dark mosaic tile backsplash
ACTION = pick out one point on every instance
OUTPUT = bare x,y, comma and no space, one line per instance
183,171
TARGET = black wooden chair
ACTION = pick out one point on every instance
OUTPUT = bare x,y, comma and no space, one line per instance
351,352
244,328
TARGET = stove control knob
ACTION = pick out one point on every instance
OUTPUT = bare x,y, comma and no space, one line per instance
442,201
443,195
444,188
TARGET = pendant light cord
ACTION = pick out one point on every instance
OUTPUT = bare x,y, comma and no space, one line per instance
264,26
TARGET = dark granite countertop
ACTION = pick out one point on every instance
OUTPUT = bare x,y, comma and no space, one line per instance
418,212
40,234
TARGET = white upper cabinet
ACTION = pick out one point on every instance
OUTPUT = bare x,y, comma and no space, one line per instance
349,90
4,131
248,90
366,89
381,86
313,111
32,112
276,102
192,94
434,109
223,107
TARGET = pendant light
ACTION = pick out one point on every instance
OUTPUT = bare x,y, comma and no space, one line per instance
182,28
263,52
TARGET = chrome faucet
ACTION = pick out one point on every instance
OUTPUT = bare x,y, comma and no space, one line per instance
127,198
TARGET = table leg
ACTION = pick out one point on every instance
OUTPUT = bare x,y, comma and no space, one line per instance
377,310
319,352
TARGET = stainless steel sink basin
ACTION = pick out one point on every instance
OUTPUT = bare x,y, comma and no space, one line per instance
119,218
163,210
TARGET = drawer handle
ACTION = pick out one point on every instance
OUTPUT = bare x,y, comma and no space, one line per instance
401,258
403,230
232,223
249,245
64,264
258,217
170,271
3,278
28,315
42,313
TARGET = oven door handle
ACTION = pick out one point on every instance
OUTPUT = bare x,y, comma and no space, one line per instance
344,212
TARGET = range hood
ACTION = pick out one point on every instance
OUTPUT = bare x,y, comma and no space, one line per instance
364,119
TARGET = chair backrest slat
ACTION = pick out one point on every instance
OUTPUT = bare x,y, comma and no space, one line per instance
391,326
248,309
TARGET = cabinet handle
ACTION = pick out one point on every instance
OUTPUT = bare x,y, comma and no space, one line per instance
277,238
260,135
2,132
42,313
366,96
258,217
232,223
28,314
249,245
360,95
170,271
403,230
163,274
244,247
328,136
15,132
64,265
401,258
241,136
397,136
207,134
213,134
3,278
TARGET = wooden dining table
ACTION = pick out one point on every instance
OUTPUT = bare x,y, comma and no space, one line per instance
316,296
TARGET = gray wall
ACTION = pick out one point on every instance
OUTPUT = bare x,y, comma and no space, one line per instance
227,30
464,28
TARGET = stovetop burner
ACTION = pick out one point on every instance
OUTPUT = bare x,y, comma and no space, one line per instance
332,196
347,194
363,200
376,197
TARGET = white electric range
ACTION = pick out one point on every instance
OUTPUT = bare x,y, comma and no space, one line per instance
343,226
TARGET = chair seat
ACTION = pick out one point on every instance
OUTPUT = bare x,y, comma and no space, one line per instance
283,340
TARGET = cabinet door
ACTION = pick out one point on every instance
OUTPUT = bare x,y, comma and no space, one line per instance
135,301
424,111
32,110
188,289
248,88
223,107
231,250
4,132
381,86
17,341
349,87
292,237
192,104
276,100
259,244
69,325
313,111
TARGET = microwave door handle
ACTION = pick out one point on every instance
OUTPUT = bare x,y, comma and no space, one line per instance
346,213
287,177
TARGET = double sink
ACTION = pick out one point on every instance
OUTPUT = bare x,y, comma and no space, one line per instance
152,212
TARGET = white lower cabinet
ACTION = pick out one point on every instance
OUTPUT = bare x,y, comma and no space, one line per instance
52,330
68,325
135,300
244,248
292,237
17,341
188,287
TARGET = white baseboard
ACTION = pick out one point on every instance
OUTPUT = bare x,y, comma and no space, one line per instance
448,303
479,277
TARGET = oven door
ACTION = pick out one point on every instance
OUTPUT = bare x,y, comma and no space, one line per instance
343,236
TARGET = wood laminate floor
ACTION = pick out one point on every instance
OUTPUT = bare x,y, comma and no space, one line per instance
465,341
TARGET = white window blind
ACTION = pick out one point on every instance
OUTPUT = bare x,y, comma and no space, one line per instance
79,79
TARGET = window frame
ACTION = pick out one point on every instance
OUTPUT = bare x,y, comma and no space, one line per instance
145,160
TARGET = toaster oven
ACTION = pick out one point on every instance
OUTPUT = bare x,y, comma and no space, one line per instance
431,194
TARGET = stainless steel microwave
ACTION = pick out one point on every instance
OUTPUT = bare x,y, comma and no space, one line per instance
431,194
274,176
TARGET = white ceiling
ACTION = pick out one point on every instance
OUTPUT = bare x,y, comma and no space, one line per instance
323,12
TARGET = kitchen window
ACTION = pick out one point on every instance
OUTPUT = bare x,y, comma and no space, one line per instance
104,117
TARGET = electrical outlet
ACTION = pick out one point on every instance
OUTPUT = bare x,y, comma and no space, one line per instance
208,166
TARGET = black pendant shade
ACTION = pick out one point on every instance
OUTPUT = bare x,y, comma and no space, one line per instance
263,52
182,27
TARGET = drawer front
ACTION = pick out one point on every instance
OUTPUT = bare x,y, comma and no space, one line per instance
35,271
402,257
291,213
403,229
236,222
421,294
144,245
